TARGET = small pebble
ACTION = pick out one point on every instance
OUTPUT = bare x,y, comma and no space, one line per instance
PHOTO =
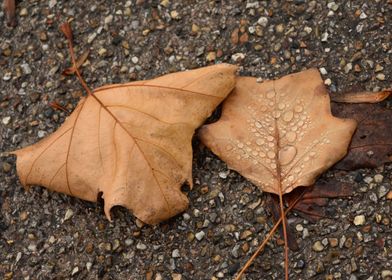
263,21
75,270
141,246
386,273
176,253
328,82
6,120
380,77
238,57
23,12
323,71
88,266
318,246
299,227
68,214
200,235
378,178
6,167
359,220
135,60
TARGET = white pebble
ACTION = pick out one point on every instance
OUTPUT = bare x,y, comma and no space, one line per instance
323,71
75,270
324,37
26,68
359,220
200,235
378,178
176,253
141,246
328,82
108,19
135,59
68,214
7,76
263,21
41,134
6,120
237,56
299,227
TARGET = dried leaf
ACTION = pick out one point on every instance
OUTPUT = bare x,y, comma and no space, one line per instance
371,145
131,142
279,134
9,10
311,204
362,97
79,62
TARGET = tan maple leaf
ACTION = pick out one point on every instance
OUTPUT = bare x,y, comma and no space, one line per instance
130,142
279,134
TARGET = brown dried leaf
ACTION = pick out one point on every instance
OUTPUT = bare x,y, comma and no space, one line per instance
279,134
371,145
9,10
311,205
362,97
132,142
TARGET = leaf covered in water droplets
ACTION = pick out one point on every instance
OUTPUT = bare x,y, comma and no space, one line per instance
130,142
279,134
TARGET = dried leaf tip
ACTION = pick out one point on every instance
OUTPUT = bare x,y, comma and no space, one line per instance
66,29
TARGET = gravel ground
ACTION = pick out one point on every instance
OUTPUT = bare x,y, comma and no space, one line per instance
46,235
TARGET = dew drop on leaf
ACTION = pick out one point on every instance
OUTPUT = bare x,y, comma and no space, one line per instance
288,116
287,154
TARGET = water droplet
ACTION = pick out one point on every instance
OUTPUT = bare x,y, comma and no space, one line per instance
240,145
270,138
288,116
238,157
248,143
271,104
248,149
263,108
287,154
271,154
294,128
271,144
300,123
268,160
290,178
229,147
254,153
281,106
312,154
271,94
276,114
297,170
298,108
261,154
259,142
258,125
257,134
291,136
306,158
327,141
273,165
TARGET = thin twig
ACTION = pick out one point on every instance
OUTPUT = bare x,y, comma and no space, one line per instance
66,29
267,238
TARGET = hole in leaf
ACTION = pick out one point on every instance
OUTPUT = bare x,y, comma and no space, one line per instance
363,137
185,188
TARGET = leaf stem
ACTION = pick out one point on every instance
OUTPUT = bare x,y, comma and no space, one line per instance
267,238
